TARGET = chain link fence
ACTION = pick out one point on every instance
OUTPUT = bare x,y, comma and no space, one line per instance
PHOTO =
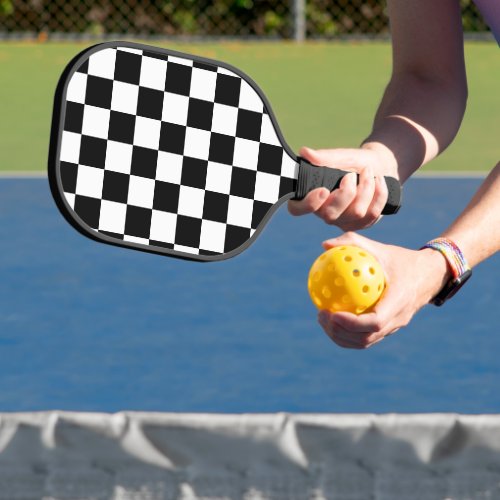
284,19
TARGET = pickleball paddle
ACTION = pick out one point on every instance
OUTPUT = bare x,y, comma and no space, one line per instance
171,153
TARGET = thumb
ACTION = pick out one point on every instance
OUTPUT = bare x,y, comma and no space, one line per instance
339,157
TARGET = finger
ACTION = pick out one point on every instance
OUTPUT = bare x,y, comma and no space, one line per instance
365,191
380,195
348,238
338,201
338,334
311,203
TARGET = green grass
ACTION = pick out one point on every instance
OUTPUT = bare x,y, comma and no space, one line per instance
323,94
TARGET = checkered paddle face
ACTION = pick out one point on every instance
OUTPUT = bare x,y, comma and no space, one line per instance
169,152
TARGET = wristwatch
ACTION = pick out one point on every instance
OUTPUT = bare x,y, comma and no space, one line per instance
459,267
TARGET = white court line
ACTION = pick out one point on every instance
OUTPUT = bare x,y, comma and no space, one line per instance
23,175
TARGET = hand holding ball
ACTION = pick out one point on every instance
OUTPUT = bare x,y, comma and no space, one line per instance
346,278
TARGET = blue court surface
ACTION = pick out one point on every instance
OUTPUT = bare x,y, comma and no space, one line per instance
91,327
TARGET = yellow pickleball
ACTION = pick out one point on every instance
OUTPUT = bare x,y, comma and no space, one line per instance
346,278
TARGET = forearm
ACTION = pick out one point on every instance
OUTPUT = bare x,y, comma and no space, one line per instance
416,120
424,103
477,230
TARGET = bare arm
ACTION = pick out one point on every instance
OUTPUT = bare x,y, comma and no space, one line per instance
424,102
419,115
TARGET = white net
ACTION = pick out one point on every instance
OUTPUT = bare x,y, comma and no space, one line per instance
155,456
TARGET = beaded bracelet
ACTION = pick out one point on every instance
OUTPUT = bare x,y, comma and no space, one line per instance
460,269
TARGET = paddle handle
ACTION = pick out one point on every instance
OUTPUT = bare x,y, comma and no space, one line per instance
312,177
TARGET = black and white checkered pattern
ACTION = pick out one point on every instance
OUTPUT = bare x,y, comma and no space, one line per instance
168,152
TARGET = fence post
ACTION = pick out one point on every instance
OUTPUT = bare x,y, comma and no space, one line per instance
299,20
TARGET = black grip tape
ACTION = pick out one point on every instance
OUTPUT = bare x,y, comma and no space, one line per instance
312,177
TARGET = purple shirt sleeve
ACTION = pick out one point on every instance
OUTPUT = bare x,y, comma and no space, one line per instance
490,9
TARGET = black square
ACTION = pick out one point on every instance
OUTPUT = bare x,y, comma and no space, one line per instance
115,236
84,67
243,182
227,90
138,222
235,237
144,162
205,66
260,210
172,138
115,186
93,151
215,206
73,119
128,67
194,172
98,92
221,148
270,159
69,173
178,80
150,103
200,114
166,197
249,125
287,186
88,209
161,244
187,231
121,127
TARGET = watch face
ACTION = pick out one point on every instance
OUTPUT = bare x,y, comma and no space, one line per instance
451,288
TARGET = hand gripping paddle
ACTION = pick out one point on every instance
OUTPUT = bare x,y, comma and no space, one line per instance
170,153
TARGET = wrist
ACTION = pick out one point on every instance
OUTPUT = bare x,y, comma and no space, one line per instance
385,155
437,272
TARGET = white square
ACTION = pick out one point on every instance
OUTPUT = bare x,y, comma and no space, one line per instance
218,178
197,143
203,84
267,133
213,236
95,122
112,217
124,97
267,187
163,226
153,73
169,167
289,167
118,157
182,248
224,119
223,71
131,50
180,60
147,132
135,239
240,211
249,99
89,181
102,63
191,201
175,108
77,88
246,153
141,192
70,198
70,147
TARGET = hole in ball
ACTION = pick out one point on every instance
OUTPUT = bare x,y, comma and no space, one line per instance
356,273
366,289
